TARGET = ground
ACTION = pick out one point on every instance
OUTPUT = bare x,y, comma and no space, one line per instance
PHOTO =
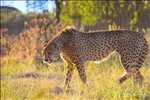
28,81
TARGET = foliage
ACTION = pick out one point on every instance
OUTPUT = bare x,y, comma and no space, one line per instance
82,11
124,13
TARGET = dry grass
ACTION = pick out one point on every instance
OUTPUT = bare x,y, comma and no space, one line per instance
102,80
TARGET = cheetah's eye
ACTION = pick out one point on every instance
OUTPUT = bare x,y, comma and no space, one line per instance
55,46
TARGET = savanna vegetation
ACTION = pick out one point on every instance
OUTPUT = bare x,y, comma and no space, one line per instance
25,77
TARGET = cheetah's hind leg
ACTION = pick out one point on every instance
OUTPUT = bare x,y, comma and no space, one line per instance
132,71
138,78
124,77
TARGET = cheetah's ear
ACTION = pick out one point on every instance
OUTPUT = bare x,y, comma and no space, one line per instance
71,30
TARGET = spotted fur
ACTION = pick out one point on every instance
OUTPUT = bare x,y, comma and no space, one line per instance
78,47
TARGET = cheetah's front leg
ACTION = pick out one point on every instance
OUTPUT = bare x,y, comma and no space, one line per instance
69,76
70,70
81,70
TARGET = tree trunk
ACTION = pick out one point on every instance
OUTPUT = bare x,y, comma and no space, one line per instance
58,11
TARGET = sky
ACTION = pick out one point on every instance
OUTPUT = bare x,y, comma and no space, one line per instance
21,5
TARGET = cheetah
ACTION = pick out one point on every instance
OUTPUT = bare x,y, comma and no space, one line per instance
76,47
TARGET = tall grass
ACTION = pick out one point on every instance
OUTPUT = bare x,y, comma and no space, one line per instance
102,79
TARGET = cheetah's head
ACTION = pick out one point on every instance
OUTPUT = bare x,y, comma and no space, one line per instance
51,53
52,49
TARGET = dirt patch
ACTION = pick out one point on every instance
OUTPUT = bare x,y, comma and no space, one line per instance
34,75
